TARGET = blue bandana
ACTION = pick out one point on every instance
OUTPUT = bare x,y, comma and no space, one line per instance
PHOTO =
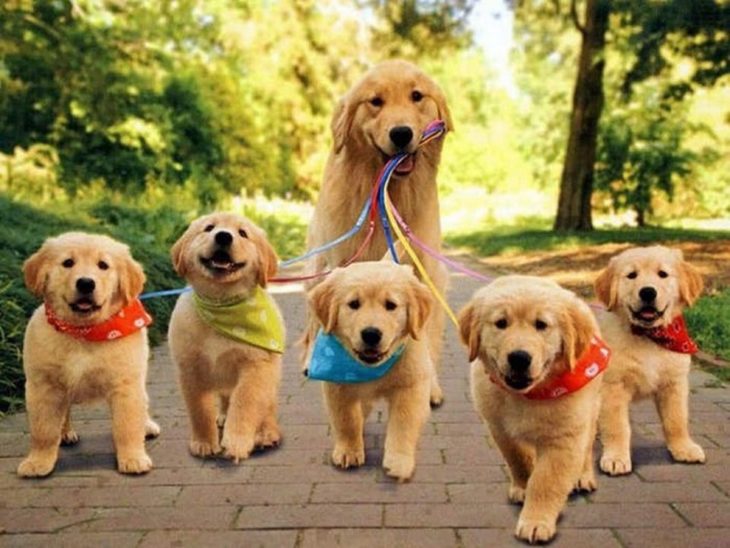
331,362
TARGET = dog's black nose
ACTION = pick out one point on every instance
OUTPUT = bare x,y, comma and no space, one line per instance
401,136
647,294
519,361
371,336
85,285
223,238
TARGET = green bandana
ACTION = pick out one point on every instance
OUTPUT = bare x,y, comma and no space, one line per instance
253,320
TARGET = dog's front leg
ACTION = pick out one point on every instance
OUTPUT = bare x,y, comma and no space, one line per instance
247,407
200,402
407,412
520,460
47,411
347,420
615,429
672,402
129,415
547,490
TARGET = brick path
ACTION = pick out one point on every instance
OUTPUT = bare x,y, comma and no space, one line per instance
293,497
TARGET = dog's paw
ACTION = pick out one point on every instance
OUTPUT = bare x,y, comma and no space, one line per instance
615,466
35,468
267,436
516,494
399,466
237,448
151,429
138,464
69,437
687,451
346,457
586,483
534,531
203,448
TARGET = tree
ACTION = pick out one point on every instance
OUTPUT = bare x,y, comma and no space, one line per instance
576,182
661,33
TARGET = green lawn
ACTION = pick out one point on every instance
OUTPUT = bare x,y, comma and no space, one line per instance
498,241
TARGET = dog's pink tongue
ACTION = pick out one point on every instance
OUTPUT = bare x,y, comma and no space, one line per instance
406,166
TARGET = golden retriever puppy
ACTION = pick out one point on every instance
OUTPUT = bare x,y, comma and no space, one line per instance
227,336
645,291
536,363
370,347
383,114
88,341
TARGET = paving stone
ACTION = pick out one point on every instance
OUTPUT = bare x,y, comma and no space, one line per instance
285,516
378,538
220,539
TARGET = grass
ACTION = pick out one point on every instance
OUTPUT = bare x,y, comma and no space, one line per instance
709,322
511,241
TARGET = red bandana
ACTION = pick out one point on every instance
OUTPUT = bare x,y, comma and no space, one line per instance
674,336
589,365
128,320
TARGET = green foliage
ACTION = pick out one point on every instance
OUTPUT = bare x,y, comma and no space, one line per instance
709,322
641,153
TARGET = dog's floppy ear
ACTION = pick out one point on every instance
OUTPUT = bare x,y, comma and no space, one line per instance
420,303
578,327
441,105
177,252
605,285
469,330
35,269
131,277
268,259
342,121
690,281
322,301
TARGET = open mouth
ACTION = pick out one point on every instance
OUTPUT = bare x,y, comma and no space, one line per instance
370,356
517,382
647,314
221,263
84,305
406,165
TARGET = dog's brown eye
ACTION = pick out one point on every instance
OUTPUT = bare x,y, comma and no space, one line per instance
663,274
390,305
540,325
242,233
632,275
68,263
103,265
416,96
377,102
209,228
501,324
354,304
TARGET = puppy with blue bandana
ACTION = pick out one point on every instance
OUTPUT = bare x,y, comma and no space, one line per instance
369,347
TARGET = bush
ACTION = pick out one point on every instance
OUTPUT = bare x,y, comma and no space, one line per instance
709,322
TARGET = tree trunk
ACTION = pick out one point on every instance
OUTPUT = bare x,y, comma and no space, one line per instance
576,182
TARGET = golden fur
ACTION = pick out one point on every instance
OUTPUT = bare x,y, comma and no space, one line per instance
406,386
61,370
244,377
639,367
547,444
361,147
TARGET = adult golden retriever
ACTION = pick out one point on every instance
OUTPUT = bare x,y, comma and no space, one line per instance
227,260
85,280
525,337
645,289
376,309
383,114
